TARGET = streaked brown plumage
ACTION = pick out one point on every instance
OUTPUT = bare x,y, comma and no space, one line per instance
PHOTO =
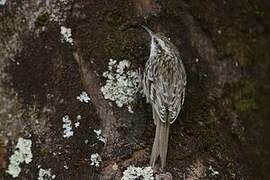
164,83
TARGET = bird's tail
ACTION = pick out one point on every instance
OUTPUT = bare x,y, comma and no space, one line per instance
160,145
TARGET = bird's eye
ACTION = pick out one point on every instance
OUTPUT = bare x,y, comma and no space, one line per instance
155,41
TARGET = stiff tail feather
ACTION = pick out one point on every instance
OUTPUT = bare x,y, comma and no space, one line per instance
160,145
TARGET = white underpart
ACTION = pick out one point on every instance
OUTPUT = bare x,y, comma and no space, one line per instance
153,50
22,154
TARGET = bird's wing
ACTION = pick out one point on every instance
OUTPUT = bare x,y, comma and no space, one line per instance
168,89
164,87
176,100
176,90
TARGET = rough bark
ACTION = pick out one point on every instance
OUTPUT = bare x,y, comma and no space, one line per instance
224,124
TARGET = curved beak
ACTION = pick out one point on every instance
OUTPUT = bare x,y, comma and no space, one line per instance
148,30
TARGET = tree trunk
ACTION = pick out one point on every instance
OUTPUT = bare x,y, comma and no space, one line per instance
222,131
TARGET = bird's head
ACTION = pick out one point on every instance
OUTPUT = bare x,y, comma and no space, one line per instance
158,41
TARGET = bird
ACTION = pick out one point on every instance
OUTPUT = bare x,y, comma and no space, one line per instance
164,86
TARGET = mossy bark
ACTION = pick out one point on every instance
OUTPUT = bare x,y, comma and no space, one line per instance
224,122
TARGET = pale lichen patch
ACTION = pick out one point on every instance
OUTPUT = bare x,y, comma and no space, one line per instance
68,132
66,35
21,154
2,2
133,173
100,137
95,160
121,83
83,97
45,174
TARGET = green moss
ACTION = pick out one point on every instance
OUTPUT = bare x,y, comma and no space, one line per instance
244,99
42,20
245,105
44,152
